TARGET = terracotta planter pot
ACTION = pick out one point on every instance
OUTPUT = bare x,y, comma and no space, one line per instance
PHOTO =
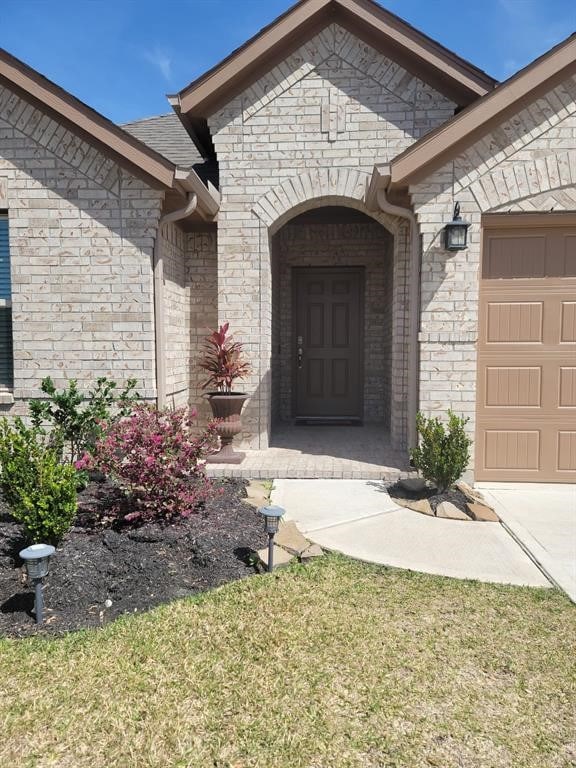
228,408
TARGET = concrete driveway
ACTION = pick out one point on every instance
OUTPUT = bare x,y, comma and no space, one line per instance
358,518
542,519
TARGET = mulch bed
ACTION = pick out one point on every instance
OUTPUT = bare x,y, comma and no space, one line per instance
435,498
101,571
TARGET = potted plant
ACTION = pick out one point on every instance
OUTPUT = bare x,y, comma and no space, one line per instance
225,363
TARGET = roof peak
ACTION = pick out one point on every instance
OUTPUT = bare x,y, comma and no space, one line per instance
443,69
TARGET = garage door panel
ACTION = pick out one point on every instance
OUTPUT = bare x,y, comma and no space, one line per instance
513,255
567,388
526,397
512,382
568,322
512,449
518,451
566,451
513,387
567,262
514,322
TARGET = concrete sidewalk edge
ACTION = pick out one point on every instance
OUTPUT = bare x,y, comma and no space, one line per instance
534,550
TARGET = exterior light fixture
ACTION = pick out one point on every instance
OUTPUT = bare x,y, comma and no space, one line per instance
456,232
271,517
37,559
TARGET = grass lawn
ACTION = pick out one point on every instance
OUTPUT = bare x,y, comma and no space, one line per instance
331,665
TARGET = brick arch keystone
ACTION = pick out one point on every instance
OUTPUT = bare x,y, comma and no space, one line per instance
313,189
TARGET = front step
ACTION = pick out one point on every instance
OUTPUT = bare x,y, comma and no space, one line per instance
251,472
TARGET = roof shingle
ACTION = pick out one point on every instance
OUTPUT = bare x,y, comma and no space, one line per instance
167,136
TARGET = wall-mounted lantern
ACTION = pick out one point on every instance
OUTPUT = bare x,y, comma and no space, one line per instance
456,232
37,559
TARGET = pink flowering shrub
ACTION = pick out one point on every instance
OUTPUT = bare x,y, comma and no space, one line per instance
158,460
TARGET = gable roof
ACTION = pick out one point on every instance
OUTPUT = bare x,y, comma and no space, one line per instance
140,158
439,146
386,32
84,120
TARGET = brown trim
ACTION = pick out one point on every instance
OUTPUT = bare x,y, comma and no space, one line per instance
445,142
432,62
527,220
208,195
84,120
421,55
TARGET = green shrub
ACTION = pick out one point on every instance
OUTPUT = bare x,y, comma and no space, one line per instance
74,418
40,491
443,451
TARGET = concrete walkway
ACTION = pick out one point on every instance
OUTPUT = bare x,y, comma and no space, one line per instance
358,518
542,519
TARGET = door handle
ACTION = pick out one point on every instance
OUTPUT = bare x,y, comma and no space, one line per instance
299,341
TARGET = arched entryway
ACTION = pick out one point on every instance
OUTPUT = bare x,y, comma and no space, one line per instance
251,280
338,287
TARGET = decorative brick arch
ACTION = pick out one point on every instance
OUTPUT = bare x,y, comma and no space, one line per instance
516,134
316,188
510,184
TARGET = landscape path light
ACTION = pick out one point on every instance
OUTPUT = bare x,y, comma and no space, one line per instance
37,559
272,516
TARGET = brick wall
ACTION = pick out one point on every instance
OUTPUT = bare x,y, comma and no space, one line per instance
81,238
177,314
526,164
307,133
365,244
202,272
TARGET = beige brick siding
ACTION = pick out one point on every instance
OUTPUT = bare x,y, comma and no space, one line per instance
81,237
176,314
308,133
202,271
527,164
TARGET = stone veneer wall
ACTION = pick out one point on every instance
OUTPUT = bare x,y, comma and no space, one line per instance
307,133
527,164
365,244
177,314
81,238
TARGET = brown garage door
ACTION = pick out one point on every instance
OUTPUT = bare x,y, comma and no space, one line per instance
526,399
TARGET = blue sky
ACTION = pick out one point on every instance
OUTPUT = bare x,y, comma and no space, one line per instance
122,56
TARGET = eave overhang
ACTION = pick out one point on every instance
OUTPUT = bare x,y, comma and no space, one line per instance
419,54
84,120
441,145
98,131
208,195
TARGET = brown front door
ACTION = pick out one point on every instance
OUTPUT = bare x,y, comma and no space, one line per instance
328,343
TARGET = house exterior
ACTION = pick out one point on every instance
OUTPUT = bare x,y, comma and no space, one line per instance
300,190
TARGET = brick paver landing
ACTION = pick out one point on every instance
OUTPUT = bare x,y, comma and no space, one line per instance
348,453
